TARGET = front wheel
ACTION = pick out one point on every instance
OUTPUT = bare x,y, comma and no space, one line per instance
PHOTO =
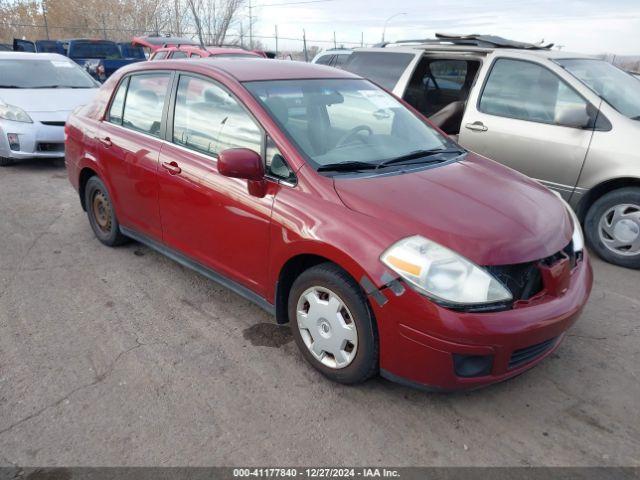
612,227
332,324
5,162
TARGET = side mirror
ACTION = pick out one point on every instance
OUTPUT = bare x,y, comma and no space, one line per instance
574,116
241,163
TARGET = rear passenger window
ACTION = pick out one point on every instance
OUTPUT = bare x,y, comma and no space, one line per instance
178,54
115,112
527,91
325,60
160,55
341,59
208,119
145,101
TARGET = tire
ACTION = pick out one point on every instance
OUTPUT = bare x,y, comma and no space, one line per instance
612,227
5,162
357,358
102,216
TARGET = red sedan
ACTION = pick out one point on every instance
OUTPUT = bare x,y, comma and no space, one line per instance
327,201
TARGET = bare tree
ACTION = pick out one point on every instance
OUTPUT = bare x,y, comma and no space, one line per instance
213,18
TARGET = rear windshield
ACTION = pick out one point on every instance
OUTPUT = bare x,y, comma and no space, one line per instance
384,68
103,50
132,51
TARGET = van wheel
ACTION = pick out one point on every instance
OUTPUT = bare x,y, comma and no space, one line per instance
332,324
612,227
102,216
5,162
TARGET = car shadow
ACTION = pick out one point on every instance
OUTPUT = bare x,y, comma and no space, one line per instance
36,165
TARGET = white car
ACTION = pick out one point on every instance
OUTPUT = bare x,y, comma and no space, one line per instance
335,57
37,93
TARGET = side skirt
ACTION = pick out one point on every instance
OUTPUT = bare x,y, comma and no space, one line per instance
201,269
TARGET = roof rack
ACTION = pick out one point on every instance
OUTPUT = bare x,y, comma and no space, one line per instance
475,40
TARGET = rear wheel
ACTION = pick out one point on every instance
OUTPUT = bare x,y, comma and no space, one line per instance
102,216
332,324
612,227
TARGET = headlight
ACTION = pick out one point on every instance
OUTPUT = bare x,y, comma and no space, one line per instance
13,113
577,239
442,274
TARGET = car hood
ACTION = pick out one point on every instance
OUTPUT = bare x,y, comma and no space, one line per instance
33,100
489,213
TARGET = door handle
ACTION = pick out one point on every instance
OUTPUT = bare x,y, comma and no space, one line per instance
106,141
476,127
171,167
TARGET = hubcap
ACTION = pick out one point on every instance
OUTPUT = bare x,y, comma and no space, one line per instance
102,211
327,327
619,229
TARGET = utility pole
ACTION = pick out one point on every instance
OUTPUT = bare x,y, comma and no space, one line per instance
304,43
104,27
335,45
44,16
250,26
276,40
241,35
362,39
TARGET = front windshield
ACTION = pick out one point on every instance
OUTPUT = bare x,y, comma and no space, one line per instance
616,87
334,121
28,73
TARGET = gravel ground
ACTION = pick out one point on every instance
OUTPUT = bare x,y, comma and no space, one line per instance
123,357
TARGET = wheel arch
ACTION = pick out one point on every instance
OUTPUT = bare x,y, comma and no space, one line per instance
300,262
602,189
85,174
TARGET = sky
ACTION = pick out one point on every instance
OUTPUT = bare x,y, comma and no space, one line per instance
585,26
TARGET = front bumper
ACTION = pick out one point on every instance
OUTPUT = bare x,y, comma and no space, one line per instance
418,339
37,140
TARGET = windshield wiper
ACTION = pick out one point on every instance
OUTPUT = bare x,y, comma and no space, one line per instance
635,118
346,167
421,155
10,86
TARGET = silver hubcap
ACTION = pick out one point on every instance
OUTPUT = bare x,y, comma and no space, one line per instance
619,229
327,327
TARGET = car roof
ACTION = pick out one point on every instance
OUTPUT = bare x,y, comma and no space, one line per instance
335,51
249,68
211,50
418,49
32,56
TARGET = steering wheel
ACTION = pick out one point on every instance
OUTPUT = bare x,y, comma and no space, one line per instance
353,134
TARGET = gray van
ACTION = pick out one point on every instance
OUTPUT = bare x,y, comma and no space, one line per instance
570,121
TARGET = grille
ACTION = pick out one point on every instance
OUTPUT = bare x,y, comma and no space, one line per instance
51,147
54,124
527,354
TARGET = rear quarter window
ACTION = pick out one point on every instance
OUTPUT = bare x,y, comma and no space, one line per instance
383,68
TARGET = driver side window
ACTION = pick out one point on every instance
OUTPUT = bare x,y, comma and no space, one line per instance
209,120
527,91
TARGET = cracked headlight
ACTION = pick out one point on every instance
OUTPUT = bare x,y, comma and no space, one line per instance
13,113
442,274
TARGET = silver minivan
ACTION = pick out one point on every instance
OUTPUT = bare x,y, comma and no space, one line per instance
570,121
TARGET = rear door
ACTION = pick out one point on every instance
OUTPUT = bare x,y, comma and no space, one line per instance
130,142
513,118
213,219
